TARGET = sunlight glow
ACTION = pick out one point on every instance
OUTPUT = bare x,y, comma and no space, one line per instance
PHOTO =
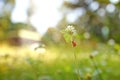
29,35
75,14
19,13
46,13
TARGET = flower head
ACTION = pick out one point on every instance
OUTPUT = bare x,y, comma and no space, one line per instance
71,29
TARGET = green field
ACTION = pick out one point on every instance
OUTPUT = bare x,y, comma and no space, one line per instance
101,62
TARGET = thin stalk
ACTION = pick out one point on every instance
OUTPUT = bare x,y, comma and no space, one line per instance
77,65
96,67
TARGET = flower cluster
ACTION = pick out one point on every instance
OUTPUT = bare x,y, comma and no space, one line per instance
71,29
70,34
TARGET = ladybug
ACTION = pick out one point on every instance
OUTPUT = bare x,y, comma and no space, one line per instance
74,43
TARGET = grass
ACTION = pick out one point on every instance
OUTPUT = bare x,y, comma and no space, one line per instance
57,63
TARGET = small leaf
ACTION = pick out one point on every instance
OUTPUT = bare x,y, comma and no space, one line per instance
67,37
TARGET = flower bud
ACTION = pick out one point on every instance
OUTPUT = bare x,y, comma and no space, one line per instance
74,43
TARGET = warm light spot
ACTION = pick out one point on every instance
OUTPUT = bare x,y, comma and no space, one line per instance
29,35
45,13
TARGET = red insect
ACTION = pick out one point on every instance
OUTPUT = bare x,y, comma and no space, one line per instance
74,43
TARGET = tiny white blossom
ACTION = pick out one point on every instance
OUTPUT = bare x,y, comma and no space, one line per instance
71,29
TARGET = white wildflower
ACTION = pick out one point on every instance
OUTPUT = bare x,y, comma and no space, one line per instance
71,29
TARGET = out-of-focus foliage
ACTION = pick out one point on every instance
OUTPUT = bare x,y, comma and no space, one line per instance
100,18
5,13
53,35
6,25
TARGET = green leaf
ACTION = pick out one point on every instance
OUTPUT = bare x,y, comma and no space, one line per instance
67,37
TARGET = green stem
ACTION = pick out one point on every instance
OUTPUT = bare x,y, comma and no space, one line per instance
77,66
96,67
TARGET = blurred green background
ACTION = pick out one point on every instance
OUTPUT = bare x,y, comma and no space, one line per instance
32,46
